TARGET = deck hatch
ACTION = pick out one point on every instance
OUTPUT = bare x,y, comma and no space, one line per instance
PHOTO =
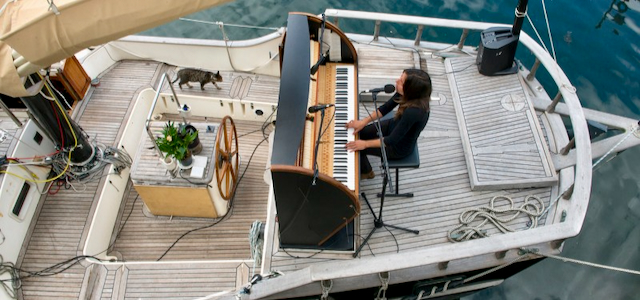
503,143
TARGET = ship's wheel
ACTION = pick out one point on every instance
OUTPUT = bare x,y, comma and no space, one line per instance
226,163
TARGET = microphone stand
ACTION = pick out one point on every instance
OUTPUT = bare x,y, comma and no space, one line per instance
377,220
315,151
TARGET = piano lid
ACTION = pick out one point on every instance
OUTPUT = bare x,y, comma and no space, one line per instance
294,92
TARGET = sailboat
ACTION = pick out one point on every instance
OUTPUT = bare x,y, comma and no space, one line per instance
272,206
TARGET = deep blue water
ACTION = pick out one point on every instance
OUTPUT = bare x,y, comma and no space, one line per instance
598,46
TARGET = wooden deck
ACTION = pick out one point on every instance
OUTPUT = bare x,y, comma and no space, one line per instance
218,258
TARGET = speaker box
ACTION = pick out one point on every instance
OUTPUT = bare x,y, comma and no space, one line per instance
496,51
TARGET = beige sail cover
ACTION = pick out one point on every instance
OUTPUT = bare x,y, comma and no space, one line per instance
43,37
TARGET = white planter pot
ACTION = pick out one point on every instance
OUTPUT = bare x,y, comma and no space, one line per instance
169,163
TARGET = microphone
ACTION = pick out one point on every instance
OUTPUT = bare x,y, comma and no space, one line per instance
321,61
323,56
389,88
320,107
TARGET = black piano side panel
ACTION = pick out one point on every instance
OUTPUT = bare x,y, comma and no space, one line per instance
309,215
294,92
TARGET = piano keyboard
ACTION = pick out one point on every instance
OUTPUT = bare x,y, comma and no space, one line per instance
344,164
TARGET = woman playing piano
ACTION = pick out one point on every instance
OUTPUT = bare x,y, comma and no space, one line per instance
400,132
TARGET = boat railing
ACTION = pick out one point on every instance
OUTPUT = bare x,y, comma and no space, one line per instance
163,80
13,117
580,181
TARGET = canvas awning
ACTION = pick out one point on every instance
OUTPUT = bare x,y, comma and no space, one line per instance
34,33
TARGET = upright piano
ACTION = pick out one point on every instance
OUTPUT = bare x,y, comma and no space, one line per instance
316,206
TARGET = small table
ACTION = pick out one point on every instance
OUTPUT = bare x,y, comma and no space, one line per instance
181,195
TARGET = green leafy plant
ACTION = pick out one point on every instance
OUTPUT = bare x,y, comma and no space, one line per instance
175,140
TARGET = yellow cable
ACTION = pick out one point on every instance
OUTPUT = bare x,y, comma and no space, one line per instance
64,114
33,175
41,181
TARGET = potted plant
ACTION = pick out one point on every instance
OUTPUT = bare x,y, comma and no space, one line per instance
195,146
175,143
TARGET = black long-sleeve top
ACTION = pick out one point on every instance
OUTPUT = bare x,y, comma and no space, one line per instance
404,132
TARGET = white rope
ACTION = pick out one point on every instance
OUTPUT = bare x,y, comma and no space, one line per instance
546,18
326,288
553,202
544,45
586,263
382,292
498,217
56,90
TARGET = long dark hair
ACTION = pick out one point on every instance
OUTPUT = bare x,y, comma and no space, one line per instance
417,91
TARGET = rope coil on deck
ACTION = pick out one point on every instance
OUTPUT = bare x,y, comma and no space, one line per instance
473,220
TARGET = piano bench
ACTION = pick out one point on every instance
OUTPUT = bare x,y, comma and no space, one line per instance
410,162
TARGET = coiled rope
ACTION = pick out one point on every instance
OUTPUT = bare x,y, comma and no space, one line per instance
473,220
256,244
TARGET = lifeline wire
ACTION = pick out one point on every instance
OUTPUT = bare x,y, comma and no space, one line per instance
546,17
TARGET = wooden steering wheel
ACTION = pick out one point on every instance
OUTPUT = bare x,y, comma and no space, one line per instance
226,163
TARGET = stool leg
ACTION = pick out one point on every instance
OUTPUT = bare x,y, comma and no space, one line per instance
397,193
397,181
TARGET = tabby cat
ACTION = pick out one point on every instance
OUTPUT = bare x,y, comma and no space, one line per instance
194,75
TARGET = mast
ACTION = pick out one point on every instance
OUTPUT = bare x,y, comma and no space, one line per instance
49,114
521,10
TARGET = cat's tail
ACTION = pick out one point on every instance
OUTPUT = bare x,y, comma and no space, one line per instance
177,76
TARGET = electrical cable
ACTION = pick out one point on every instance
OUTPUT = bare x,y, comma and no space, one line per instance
113,243
16,279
